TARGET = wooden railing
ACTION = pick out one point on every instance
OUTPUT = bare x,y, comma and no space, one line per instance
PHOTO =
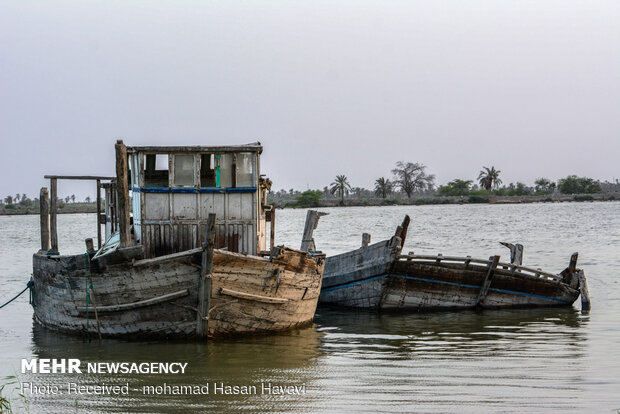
521,270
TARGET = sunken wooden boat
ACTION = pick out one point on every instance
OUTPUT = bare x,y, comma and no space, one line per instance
378,276
190,260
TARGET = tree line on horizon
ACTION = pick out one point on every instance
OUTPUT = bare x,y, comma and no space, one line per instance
22,200
411,178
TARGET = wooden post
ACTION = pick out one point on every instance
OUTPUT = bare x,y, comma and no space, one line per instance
405,227
584,292
365,239
204,289
572,265
98,214
487,280
44,211
53,218
272,230
89,245
516,252
122,194
312,220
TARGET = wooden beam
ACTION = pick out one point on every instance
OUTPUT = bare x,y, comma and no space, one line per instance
253,147
138,304
204,289
122,193
251,296
159,259
44,211
78,177
53,215
494,260
312,220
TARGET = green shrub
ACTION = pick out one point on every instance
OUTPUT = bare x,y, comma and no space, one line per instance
310,198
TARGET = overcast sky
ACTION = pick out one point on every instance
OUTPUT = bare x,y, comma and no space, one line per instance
328,87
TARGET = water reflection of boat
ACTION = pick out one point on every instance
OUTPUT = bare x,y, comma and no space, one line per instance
285,358
378,276
433,333
175,271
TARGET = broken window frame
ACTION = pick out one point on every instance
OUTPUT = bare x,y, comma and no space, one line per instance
157,182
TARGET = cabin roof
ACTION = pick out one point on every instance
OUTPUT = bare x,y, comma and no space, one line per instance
252,147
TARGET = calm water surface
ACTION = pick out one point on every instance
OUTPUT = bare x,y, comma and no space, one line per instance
544,360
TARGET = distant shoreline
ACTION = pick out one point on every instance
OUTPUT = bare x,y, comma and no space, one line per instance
445,200
29,211
376,202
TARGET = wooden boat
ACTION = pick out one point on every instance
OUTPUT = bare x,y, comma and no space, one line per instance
175,269
378,276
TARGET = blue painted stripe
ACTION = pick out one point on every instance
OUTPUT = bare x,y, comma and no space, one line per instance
241,190
512,292
192,190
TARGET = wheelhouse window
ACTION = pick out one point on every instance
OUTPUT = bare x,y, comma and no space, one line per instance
245,170
183,170
207,170
224,170
156,170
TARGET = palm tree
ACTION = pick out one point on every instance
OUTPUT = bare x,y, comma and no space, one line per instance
8,200
87,199
73,198
383,187
341,186
489,178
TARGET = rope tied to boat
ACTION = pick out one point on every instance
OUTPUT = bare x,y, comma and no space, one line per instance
29,285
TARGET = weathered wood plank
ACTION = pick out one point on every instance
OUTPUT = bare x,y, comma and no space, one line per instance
167,257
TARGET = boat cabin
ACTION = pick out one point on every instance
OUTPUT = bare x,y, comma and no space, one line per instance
173,190
162,196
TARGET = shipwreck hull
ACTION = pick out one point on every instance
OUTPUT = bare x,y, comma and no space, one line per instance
435,286
358,278
159,297
376,277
